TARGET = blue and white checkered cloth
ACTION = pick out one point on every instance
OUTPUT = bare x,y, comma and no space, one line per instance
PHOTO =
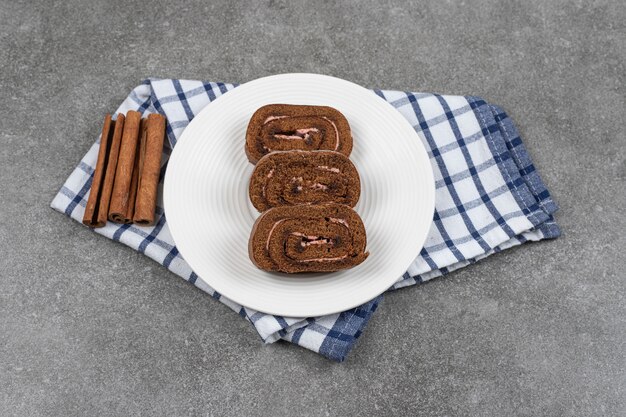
489,197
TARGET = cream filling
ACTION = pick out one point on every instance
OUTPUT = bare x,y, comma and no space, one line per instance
340,221
305,244
269,235
325,259
336,132
270,118
269,175
314,186
292,137
314,240
307,130
300,134
327,168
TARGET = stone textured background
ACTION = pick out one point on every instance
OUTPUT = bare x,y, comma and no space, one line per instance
90,327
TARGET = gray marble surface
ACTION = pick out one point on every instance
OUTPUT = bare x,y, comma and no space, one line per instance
90,327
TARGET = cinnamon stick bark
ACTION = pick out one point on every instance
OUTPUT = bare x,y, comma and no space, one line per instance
93,210
151,150
121,196
109,176
136,172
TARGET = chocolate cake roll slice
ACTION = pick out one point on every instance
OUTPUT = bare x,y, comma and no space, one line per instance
285,127
316,238
299,177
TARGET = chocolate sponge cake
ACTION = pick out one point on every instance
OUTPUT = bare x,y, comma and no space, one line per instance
284,127
300,177
315,238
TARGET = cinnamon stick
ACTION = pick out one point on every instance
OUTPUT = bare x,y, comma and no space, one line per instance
109,176
120,199
151,151
93,211
136,171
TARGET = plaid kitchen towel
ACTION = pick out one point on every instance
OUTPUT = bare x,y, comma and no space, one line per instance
489,197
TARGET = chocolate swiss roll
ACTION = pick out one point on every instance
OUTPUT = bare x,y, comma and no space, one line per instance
299,177
314,238
285,127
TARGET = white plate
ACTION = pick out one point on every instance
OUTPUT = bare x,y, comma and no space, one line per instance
210,216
